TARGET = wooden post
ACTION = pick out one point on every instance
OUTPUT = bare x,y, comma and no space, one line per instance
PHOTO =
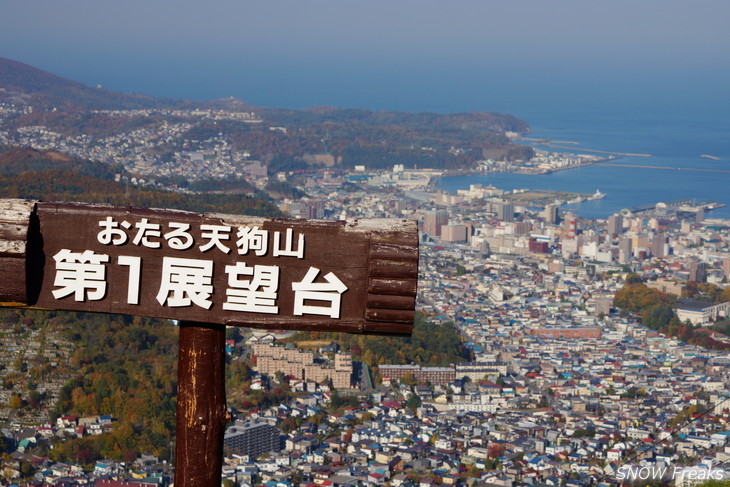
201,405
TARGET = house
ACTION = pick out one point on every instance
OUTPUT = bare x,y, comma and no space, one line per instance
396,465
106,467
376,478
701,312
65,422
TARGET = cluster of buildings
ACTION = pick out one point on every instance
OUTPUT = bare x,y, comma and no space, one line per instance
303,365
158,144
544,411
23,441
162,147
145,471
33,365
545,161
563,389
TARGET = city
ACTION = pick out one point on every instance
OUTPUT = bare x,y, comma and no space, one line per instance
563,387
570,349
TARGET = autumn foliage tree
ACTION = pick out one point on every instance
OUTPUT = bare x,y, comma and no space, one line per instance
16,402
637,296
429,345
654,307
495,450
656,311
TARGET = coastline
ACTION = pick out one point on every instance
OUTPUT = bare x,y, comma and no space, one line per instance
673,171
561,168
596,151
524,169
558,144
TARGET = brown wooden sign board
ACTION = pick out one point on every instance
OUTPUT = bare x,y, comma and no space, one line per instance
208,271
355,276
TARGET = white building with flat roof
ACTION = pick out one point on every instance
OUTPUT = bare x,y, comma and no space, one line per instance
700,312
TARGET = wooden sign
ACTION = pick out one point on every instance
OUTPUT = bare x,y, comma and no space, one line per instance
208,271
355,276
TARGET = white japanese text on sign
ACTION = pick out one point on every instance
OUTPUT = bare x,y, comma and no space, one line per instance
251,287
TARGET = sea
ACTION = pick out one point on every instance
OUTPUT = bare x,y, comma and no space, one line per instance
675,139
676,117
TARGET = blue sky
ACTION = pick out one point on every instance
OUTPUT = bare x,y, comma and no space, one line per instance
401,54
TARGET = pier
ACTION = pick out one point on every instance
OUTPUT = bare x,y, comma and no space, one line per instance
581,149
665,168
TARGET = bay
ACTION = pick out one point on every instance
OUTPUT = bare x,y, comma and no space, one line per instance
674,139
675,115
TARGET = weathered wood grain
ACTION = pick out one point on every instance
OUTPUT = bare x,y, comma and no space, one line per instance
385,301
390,315
394,269
400,287
201,405
15,220
383,328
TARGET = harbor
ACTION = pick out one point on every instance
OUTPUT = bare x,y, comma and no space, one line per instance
543,198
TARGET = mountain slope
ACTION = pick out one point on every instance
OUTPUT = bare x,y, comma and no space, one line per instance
40,89
286,140
53,176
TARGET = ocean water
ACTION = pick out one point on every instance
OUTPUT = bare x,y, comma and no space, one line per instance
674,138
676,114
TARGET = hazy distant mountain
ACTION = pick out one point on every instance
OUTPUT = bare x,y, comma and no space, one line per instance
477,122
21,82
284,139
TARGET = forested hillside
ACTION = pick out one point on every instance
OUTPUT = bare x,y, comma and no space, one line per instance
52,176
121,366
43,89
656,310
430,344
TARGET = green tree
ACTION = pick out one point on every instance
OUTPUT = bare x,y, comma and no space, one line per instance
633,278
413,402
233,333
714,483
408,379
